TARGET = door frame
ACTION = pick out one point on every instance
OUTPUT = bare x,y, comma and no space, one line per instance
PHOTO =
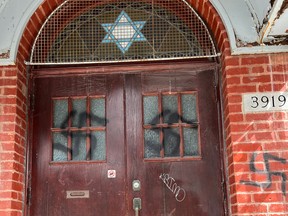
122,68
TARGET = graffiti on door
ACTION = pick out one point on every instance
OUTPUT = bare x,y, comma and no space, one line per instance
75,151
179,193
267,171
172,135
171,140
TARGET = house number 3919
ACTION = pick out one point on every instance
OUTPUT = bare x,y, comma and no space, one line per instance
263,102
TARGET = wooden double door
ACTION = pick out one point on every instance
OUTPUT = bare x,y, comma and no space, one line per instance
143,143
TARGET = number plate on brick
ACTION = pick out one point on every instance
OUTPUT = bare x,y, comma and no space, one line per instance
265,102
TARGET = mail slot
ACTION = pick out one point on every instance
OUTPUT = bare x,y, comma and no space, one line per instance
79,194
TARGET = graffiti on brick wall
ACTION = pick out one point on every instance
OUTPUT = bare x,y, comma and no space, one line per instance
267,171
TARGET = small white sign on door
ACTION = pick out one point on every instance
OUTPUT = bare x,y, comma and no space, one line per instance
265,102
111,173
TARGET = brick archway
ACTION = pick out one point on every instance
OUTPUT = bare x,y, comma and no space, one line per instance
204,9
264,133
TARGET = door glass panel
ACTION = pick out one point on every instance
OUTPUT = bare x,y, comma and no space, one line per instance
98,145
60,116
97,112
151,112
152,143
60,146
79,113
178,137
170,109
171,142
191,147
78,145
189,112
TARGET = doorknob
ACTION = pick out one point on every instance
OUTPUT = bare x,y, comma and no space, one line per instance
137,205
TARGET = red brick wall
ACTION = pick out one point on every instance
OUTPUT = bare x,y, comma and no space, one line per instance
12,140
256,135
247,135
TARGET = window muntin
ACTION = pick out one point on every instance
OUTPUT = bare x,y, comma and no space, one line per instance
79,129
170,125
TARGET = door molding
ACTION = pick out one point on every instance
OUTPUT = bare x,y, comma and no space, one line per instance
165,66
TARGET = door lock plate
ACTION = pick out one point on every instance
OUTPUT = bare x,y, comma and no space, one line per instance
137,204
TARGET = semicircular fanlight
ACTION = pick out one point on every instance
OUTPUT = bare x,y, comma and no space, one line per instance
91,31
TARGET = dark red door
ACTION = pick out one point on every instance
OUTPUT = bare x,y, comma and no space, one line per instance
173,143
78,136
128,144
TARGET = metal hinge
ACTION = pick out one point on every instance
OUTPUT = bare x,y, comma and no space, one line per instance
216,83
31,94
224,194
32,102
28,196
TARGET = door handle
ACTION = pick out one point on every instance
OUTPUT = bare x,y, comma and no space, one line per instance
137,205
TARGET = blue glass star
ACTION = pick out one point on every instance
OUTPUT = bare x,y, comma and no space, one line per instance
123,32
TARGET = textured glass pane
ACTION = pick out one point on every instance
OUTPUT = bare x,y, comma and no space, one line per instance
79,145
60,146
191,141
98,145
79,113
97,109
152,143
60,115
151,113
171,142
170,109
189,112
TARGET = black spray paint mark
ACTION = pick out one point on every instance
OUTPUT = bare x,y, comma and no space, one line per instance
171,139
75,151
269,173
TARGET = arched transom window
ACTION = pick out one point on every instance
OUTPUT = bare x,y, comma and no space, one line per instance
91,31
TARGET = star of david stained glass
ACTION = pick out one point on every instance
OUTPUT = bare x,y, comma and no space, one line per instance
96,31
123,32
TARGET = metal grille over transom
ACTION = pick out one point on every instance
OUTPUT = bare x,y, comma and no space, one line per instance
91,31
